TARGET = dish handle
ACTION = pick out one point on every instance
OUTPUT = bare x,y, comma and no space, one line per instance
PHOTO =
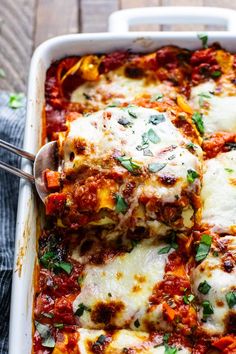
120,21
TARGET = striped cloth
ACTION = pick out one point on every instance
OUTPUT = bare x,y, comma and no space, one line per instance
11,130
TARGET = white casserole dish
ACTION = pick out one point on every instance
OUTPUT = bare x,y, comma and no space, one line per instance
20,340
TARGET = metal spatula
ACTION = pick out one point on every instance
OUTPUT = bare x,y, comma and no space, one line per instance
46,158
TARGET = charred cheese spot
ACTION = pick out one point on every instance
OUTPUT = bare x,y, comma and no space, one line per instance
106,313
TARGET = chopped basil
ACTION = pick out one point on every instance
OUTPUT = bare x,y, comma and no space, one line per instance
155,167
170,350
101,340
231,299
124,121
204,287
216,73
80,280
48,256
191,146
156,97
86,96
230,170
80,310
134,243
172,244
45,334
114,104
197,119
191,176
156,118
147,152
132,113
67,267
145,142
127,163
204,38
203,95
207,309
16,100
188,298
2,73
109,294
166,337
215,253
58,325
137,323
203,247
153,137
121,205
48,315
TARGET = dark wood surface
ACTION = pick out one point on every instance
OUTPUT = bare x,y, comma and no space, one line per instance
24,24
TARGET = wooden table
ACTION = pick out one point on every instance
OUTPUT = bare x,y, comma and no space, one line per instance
26,23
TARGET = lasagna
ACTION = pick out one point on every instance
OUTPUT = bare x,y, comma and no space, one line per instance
138,251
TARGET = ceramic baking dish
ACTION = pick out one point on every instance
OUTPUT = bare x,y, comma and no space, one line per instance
28,221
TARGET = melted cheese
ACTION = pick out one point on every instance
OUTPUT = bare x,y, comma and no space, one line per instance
128,280
116,87
105,136
219,193
139,342
221,282
218,109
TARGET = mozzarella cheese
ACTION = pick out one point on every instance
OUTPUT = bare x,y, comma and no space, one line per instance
221,282
114,86
219,193
138,342
126,283
105,135
217,104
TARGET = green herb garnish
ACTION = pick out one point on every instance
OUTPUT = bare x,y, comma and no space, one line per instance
207,309
137,323
230,170
58,325
197,119
44,331
203,247
156,167
80,310
204,287
204,39
51,260
156,97
216,73
170,350
16,100
231,299
153,137
132,113
191,176
188,298
127,163
121,205
156,118
172,244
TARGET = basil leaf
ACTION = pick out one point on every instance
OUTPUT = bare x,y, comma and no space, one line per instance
101,340
48,315
216,73
80,280
132,113
128,163
165,250
156,97
16,100
204,287
87,96
67,267
45,334
156,119
191,176
188,298
191,146
2,73
197,119
204,39
203,248
207,309
231,299
147,152
46,258
81,308
124,121
155,167
121,205
166,337
58,325
153,137
230,170
137,323
170,350
202,95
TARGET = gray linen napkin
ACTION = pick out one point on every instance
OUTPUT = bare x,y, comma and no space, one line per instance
11,129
